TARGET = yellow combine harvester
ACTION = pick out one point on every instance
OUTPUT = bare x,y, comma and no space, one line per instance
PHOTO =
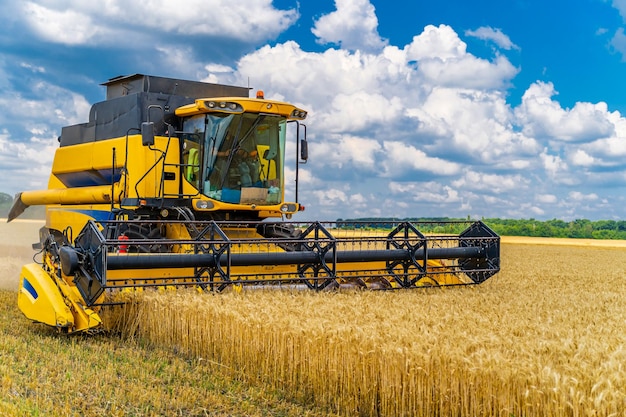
171,183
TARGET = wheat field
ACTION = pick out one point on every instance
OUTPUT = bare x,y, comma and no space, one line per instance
545,336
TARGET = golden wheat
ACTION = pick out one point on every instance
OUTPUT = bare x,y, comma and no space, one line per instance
544,337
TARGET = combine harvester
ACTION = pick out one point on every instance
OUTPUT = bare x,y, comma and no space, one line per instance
175,183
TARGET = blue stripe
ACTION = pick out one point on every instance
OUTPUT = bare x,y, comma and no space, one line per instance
28,287
99,215
89,178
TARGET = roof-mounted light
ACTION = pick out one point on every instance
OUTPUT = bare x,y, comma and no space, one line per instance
228,106
298,114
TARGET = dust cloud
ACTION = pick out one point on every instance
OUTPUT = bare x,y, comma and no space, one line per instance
16,239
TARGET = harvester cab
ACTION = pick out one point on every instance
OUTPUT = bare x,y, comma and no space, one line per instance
175,183
234,157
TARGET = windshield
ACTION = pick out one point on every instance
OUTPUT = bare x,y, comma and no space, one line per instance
242,156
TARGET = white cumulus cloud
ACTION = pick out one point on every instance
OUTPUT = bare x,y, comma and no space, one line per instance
494,35
544,117
75,22
354,25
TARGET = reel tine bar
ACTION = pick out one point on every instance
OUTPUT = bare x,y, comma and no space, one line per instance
222,254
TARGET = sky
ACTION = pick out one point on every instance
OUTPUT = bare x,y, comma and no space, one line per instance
510,109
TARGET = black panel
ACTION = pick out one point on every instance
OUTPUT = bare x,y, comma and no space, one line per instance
140,98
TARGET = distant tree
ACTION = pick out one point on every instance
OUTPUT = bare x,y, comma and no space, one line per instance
605,225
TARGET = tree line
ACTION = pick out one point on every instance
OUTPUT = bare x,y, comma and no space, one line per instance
579,228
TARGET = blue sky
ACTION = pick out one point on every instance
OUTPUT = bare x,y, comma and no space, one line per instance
485,109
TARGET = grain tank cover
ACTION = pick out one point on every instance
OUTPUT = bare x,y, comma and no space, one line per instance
139,83
134,99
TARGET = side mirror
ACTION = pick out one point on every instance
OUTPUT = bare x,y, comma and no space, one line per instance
304,149
147,133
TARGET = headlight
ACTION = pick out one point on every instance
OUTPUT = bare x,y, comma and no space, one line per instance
204,205
288,208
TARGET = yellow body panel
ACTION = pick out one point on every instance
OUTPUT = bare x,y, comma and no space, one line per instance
40,300
43,300
89,156
142,178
